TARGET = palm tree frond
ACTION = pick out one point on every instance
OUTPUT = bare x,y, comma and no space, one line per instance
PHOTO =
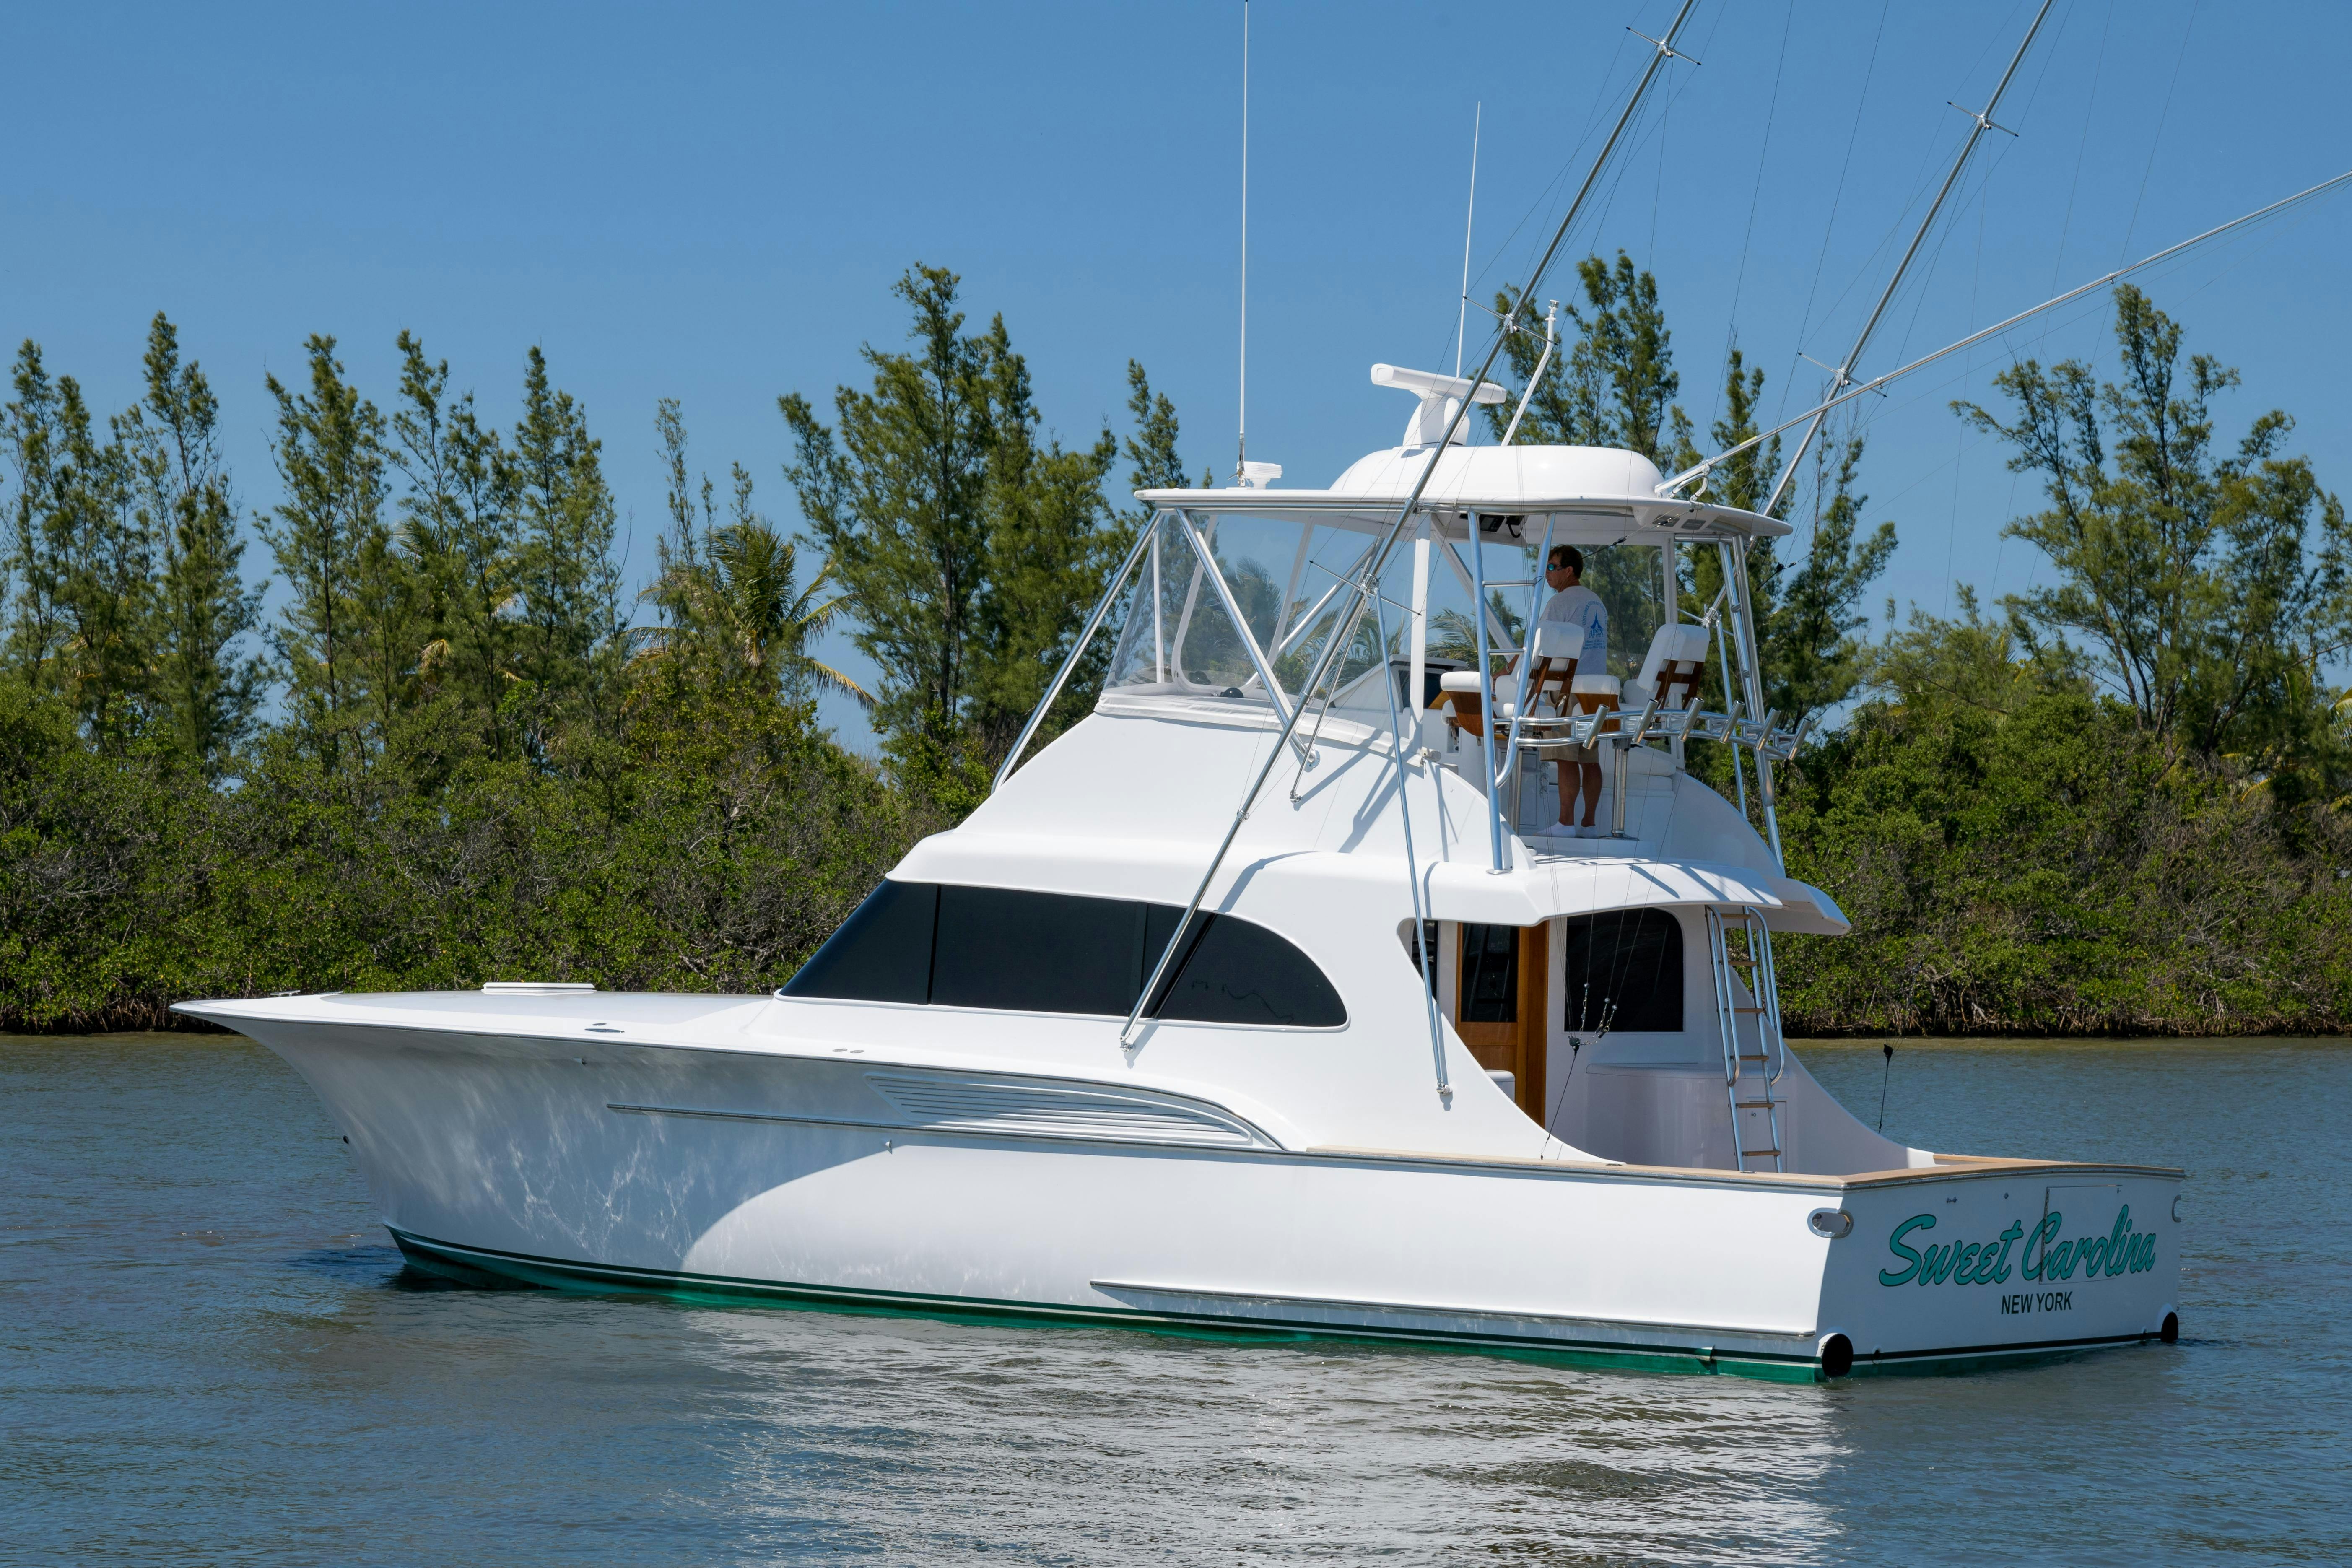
842,683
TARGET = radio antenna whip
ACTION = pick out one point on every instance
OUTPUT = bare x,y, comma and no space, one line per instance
1840,377
1462,318
1241,439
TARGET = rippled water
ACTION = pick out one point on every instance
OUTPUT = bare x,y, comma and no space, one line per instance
209,1353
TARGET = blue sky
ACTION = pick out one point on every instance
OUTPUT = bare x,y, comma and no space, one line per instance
711,204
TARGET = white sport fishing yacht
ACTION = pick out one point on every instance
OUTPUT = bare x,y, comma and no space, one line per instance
1282,994
1423,1065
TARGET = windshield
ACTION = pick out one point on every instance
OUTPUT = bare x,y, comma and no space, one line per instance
1178,635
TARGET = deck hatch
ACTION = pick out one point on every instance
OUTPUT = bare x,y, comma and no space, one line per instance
1035,1110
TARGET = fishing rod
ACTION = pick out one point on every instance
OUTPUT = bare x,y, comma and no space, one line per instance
1671,489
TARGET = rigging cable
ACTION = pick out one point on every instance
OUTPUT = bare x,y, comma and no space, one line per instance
1641,144
1959,439
1980,193
2156,141
1805,322
1755,197
1983,122
1576,150
1673,487
2090,110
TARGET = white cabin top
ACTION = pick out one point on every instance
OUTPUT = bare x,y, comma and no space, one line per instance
1584,495
1592,495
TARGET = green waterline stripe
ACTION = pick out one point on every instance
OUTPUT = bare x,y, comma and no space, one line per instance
1765,1362
1588,1352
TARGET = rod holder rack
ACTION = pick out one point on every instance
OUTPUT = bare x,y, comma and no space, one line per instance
1631,726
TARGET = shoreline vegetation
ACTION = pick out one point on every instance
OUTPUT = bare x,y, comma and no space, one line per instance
456,747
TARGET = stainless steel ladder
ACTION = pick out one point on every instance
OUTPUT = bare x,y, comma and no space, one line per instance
1750,1075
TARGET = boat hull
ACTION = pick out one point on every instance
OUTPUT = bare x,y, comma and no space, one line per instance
702,1172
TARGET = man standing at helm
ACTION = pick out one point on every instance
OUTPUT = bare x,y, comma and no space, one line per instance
1580,608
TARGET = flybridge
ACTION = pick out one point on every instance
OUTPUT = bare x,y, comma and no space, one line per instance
1268,596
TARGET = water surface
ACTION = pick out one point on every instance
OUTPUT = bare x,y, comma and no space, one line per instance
210,1353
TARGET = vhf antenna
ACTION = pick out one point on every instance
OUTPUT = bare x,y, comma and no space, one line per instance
1240,440
1840,376
1462,318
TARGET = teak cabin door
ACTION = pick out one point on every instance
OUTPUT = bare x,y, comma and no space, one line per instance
1498,1002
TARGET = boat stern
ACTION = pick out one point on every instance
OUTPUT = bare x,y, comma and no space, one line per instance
1982,1262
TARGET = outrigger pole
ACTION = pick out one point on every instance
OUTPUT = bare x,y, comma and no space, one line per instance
1078,649
1671,489
1366,581
1839,377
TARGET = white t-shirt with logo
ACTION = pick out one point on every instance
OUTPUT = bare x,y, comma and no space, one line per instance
1580,606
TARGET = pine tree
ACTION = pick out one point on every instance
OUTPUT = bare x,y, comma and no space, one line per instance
1152,448
84,553
1052,542
571,617
459,524
1805,619
110,584
335,551
1813,658
1613,382
2212,593
44,485
971,545
206,690
899,499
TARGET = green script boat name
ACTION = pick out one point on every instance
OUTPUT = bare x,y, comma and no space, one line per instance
2041,1255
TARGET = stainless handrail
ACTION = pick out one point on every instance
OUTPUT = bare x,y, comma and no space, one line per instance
1487,695
1077,651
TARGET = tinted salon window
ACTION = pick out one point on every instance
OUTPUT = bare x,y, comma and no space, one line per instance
1053,953
1236,973
882,951
1035,952
1624,971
